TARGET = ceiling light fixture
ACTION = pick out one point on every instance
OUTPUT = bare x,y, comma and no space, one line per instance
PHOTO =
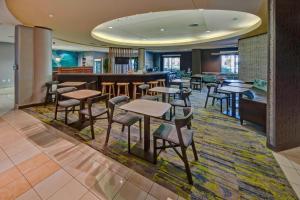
208,31
110,27
162,29
51,15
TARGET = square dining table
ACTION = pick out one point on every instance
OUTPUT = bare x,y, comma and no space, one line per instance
82,96
233,91
242,85
148,109
72,84
165,91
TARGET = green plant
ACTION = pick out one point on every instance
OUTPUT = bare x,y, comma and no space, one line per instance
105,65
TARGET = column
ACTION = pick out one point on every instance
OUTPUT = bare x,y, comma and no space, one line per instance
33,50
196,61
141,53
283,130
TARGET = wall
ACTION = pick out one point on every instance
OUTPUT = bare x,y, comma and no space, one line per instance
253,53
6,65
68,58
212,63
149,59
90,56
185,59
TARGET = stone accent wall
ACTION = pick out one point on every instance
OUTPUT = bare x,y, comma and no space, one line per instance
253,53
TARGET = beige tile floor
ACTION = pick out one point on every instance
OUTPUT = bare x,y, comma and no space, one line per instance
6,100
40,162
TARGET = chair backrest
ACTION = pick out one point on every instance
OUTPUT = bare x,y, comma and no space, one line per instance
50,84
112,103
93,100
65,90
91,85
185,121
144,88
212,85
185,95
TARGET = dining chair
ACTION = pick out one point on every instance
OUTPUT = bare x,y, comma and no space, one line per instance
183,101
124,118
91,85
145,90
212,92
51,88
65,104
178,135
94,111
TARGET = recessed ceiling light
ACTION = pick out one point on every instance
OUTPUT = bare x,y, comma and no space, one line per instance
51,15
110,27
162,29
235,19
208,31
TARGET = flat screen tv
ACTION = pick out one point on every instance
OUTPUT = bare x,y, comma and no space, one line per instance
122,60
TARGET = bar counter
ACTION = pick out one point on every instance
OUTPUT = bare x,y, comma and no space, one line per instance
117,78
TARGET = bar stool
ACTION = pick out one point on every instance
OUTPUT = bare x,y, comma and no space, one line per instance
111,89
153,84
135,86
125,87
161,82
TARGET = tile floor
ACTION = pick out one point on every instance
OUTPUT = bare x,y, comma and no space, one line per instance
6,100
39,162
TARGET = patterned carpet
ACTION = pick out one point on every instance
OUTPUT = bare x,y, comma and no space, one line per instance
234,162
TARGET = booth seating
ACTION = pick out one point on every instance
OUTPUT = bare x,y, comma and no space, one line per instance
108,88
253,105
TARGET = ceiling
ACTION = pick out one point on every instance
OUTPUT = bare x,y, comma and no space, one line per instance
173,28
73,22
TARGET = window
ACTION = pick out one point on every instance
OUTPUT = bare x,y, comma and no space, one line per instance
230,64
171,63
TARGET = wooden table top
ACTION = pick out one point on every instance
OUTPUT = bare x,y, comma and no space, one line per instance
81,94
71,84
233,89
166,90
242,85
146,107
233,81
180,81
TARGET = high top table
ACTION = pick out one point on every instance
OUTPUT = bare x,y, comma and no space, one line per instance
233,91
148,109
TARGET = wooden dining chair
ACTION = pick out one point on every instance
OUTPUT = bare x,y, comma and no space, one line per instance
212,92
94,111
51,88
65,104
183,101
144,91
178,135
124,118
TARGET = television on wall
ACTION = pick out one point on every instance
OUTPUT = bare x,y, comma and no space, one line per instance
122,60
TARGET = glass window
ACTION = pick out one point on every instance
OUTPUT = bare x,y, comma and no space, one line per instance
230,64
171,63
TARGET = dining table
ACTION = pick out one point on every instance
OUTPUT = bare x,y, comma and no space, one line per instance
233,91
72,84
148,109
179,82
82,96
165,91
241,85
228,81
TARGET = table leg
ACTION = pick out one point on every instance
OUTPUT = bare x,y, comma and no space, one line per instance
146,133
81,116
164,97
233,106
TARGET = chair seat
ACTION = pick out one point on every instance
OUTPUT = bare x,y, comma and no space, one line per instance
69,103
150,98
168,132
95,111
126,119
180,103
218,96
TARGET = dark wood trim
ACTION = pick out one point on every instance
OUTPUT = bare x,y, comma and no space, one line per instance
266,33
